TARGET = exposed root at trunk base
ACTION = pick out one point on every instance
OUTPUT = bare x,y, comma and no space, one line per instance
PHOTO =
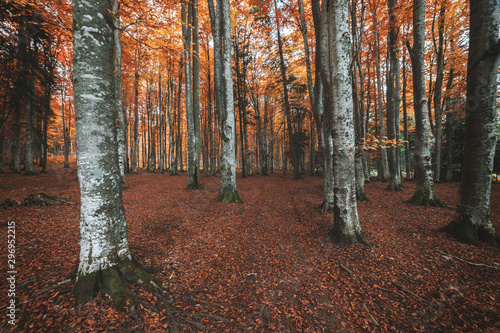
469,233
229,195
114,282
361,196
326,206
195,187
426,199
336,237
394,187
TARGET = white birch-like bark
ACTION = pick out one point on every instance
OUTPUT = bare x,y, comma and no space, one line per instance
347,229
120,121
424,192
228,156
103,228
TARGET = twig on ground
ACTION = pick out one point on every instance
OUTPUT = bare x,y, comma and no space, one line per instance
407,291
392,291
468,262
374,321
198,326
346,269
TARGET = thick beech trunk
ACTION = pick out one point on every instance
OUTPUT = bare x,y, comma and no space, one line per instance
324,107
105,260
190,29
472,220
346,229
220,19
424,193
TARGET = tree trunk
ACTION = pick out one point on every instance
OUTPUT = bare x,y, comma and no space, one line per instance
239,92
424,192
408,168
189,30
171,127
438,132
310,86
118,89
451,122
392,102
178,124
321,118
472,221
135,156
294,151
29,105
228,189
346,229
328,177
64,128
384,164
211,139
105,259
196,96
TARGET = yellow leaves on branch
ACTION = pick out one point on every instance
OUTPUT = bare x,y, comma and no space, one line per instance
371,143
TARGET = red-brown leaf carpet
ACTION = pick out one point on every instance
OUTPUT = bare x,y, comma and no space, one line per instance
261,266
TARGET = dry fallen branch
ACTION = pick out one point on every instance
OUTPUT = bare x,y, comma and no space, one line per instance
43,199
407,291
346,269
374,321
467,262
391,291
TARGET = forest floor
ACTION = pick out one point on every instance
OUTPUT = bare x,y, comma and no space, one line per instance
261,266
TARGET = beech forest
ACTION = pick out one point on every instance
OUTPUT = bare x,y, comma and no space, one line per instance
250,166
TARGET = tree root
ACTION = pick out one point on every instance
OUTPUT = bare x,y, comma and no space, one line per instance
9,203
195,187
228,196
469,233
426,199
336,237
43,199
327,206
394,187
361,196
114,281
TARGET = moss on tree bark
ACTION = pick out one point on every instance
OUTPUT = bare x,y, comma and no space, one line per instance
466,231
114,282
343,239
427,199
229,195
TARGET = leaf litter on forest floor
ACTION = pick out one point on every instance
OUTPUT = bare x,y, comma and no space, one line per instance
264,265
